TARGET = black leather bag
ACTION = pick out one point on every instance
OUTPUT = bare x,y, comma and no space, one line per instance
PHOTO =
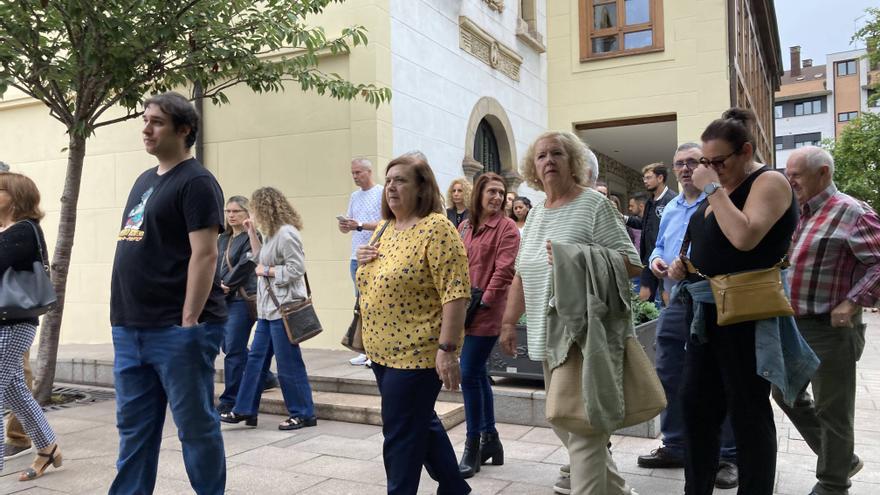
27,294
299,317
474,306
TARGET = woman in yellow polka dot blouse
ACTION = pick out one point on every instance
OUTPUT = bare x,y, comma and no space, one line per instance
414,288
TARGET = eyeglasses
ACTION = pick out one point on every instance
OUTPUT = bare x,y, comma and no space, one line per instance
233,211
716,162
690,163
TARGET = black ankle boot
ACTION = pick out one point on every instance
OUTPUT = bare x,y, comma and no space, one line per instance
491,448
470,459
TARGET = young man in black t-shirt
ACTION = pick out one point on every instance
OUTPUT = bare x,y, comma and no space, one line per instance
167,307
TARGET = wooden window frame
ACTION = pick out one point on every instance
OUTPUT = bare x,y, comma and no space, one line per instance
585,18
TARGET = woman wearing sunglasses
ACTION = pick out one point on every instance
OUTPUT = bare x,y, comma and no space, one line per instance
746,223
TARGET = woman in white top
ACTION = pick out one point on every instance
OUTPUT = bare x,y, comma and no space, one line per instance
559,164
281,269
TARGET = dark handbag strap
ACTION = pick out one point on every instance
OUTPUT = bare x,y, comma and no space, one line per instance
357,301
226,255
44,254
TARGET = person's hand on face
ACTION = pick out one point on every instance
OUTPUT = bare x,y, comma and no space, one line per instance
703,176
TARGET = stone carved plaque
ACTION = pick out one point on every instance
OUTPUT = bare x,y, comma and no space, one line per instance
483,46
496,5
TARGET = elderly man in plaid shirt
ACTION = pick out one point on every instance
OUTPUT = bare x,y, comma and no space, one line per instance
835,272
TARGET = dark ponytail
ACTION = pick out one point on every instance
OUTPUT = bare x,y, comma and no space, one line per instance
734,126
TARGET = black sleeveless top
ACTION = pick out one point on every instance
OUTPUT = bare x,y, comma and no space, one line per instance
713,254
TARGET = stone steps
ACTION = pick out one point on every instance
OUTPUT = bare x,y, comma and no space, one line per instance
355,408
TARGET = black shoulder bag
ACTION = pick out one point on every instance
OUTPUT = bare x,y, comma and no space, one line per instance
27,294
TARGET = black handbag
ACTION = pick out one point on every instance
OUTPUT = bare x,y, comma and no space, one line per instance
27,294
353,338
299,317
474,306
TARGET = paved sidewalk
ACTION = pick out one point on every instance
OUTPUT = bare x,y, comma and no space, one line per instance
342,458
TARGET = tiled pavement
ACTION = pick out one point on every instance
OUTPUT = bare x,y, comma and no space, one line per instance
342,458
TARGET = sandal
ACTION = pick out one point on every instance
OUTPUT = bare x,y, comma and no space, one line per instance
53,459
295,423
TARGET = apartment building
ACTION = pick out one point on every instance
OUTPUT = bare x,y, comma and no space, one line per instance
816,102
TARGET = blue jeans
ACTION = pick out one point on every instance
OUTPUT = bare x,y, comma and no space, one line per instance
235,340
268,337
154,368
353,268
413,433
672,334
479,405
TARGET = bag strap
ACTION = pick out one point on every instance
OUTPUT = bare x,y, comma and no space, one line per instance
782,264
226,255
44,254
379,234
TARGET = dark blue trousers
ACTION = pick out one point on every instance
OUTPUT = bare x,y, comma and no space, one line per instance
413,433
479,405
235,350
158,367
672,336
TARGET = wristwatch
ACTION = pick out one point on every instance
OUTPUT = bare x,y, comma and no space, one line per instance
360,227
448,347
710,188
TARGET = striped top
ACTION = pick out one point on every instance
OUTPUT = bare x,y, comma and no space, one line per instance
588,219
835,254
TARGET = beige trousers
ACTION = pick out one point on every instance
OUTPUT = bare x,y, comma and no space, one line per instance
593,471
15,434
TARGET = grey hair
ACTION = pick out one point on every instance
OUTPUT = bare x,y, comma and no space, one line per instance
689,146
592,166
364,162
4,167
416,154
816,157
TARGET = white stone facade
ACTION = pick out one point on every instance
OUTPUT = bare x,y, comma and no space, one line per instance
437,83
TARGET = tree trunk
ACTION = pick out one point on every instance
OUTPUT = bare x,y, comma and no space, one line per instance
50,331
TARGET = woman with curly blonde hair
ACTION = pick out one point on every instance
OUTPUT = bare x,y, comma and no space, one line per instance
281,271
458,196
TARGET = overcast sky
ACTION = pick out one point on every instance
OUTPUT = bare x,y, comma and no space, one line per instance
820,27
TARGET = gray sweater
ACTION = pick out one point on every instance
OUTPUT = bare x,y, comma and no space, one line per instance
283,252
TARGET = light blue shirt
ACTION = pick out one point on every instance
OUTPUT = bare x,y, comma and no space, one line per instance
673,226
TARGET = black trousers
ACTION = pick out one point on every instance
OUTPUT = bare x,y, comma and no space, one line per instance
720,377
413,433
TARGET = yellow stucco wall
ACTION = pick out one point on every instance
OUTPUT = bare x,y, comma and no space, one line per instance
301,143
688,78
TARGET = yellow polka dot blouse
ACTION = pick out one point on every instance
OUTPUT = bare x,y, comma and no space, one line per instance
403,291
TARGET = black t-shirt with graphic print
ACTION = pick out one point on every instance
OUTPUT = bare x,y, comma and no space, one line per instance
148,286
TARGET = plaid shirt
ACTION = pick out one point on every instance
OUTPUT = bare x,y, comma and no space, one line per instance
835,254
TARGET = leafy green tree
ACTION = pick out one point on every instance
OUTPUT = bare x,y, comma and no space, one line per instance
870,34
857,159
82,58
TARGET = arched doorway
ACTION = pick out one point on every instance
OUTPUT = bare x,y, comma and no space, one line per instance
486,148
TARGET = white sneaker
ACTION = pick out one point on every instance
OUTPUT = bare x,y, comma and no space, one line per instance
359,360
368,364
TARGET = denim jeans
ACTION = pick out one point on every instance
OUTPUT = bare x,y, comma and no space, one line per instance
268,337
168,366
353,268
235,341
413,433
672,334
479,405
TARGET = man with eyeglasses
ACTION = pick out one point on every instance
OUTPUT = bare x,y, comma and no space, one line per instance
672,327
654,177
